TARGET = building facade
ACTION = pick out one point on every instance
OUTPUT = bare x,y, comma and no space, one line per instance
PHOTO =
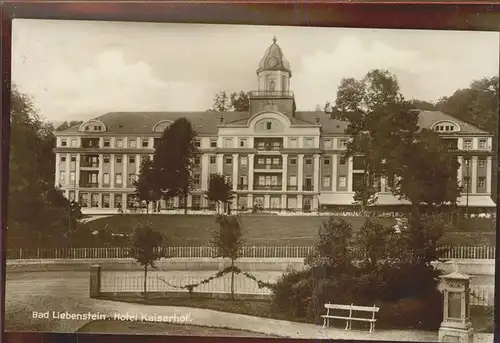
276,157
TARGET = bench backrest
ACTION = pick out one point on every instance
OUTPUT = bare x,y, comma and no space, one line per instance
372,309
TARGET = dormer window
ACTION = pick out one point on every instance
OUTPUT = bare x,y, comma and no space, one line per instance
268,125
446,127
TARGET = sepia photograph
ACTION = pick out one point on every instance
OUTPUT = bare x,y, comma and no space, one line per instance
252,181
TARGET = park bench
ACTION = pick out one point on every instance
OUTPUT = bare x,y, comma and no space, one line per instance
351,308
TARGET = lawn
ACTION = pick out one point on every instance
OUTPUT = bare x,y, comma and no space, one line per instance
196,230
267,230
481,316
167,329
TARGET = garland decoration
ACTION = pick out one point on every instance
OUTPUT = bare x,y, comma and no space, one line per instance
191,287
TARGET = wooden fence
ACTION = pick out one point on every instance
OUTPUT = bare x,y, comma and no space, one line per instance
478,252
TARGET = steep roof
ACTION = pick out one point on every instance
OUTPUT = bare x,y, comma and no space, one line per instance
206,123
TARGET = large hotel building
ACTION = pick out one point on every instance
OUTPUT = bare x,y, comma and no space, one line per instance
276,157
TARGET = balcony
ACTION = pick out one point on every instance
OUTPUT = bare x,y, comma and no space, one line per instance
268,166
85,164
269,147
292,188
268,187
242,187
307,188
270,94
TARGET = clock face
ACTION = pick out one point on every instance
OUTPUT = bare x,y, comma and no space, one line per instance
273,62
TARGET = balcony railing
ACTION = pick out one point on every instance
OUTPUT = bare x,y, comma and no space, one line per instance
268,187
89,185
292,188
89,165
242,187
268,166
270,94
268,147
307,188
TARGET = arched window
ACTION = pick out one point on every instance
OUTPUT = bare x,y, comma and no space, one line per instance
271,86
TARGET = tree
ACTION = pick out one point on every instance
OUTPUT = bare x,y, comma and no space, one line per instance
228,241
235,101
146,249
175,160
38,213
386,135
146,186
219,190
421,105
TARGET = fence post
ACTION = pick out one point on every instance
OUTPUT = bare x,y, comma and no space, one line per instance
95,281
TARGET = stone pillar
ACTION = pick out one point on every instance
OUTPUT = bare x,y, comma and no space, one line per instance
68,170
300,202
250,201
95,281
456,325
267,202
138,165
349,175
125,170
219,163
112,171
300,173
284,204
316,173
77,172
473,181
488,174
204,171
124,201
235,171
57,178
460,161
334,172
250,173
284,176
101,170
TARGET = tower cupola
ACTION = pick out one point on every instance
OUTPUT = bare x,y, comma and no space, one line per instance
274,71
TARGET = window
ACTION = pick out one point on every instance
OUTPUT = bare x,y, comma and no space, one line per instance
106,159
308,161
119,143
466,183
74,143
326,181
118,180
228,143
213,143
197,143
467,144
294,143
105,178
482,162
62,176
342,160
196,201
197,160
308,143
342,181
482,144
293,161
244,161
261,160
132,143
292,180
63,158
118,158
131,178
343,143
72,176
196,178
243,180
481,182
276,145
276,161
105,200
229,160
118,200
131,159
268,125
64,142
71,196
107,143
73,158
261,145
326,161
212,159
243,143
86,127
227,178
145,142
467,162
327,143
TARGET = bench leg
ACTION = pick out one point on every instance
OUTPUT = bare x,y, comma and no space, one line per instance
347,325
324,322
372,328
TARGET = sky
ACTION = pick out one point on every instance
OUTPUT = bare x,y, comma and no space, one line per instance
77,70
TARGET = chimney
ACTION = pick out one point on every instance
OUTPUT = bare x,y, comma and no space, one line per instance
221,118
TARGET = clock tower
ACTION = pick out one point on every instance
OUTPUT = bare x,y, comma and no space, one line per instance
273,75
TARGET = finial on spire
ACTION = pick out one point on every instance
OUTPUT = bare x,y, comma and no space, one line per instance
274,39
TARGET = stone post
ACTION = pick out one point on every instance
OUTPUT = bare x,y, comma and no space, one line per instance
95,281
456,325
